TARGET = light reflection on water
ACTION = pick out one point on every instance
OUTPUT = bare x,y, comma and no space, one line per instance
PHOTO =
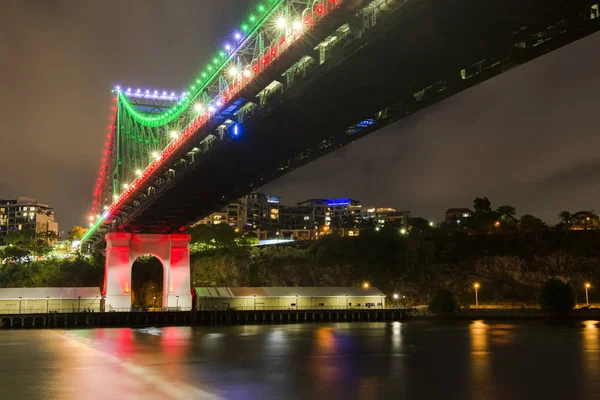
417,360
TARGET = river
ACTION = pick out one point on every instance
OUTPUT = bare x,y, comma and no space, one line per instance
414,360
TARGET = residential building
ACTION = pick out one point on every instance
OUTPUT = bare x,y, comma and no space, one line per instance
26,216
382,215
255,210
456,215
307,219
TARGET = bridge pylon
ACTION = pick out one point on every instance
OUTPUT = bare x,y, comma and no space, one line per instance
172,250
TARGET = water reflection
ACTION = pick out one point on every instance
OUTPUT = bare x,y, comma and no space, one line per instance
396,336
591,350
420,360
480,362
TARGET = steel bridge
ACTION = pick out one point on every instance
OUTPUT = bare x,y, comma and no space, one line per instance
298,79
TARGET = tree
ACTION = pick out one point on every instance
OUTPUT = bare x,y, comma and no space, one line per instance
529,223
566,219
557,297
507,215
585,220
444,303
77,233
482,205
419,226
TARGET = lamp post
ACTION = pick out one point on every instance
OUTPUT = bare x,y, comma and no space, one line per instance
296,302
20,298
254,302
476,286
47,302
177,297
396,296
79,304
587,299
346,302
366,285
404,301
277,236
154,303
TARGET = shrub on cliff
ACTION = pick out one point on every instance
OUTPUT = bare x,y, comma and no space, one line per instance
444,303
557,297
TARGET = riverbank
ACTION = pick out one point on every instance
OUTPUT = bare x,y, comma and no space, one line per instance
193,318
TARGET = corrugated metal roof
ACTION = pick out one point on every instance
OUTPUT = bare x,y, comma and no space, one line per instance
53,293
289,292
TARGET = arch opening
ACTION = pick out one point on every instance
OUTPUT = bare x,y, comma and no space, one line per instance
147,283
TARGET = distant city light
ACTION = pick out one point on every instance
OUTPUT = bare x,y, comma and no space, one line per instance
403,231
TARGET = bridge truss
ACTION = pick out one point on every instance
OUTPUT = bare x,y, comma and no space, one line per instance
156,138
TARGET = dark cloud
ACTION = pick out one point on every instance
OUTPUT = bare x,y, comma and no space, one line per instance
527,138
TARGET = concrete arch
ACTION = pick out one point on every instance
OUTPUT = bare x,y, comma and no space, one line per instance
163,279
172,250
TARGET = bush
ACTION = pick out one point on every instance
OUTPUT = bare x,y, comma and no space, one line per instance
557,297
444,303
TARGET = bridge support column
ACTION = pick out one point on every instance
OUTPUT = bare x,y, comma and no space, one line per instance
122,249
117,272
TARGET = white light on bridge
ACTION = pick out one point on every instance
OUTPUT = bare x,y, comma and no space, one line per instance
125,186
115,197
198,107
297,25
281,22
138,172
174,134
233,71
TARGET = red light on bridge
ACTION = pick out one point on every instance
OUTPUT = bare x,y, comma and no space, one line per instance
319,9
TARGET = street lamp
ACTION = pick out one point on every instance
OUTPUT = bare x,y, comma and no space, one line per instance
366,285
395,296
476,286
177,302
154,303
20,298
79,306
254,302
296,302
47,301
587,299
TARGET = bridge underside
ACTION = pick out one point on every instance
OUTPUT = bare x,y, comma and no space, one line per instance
419,54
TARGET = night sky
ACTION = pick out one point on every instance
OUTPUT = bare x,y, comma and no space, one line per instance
528,138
